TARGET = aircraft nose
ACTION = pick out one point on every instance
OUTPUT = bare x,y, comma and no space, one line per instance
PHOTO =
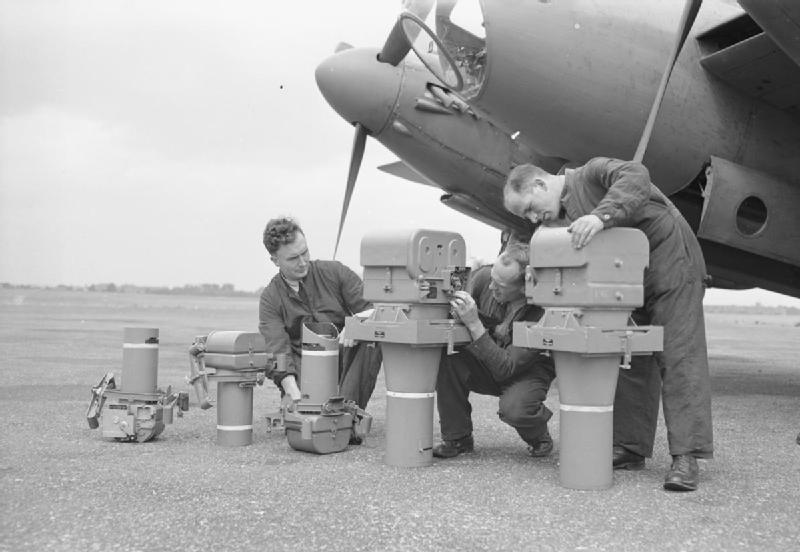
359,87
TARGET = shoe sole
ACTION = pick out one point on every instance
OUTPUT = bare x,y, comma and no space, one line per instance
541,454
680,487
459,453
630,466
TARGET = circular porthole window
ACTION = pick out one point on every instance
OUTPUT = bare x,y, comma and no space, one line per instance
751,216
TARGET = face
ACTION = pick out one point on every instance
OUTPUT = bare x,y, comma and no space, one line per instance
506,285
292,259
536,202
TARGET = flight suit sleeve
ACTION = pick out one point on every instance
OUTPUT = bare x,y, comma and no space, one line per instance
627,186
352,289
272,326
503,363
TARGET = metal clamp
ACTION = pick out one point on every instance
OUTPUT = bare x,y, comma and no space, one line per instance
99,399
387,287
558,282
450,341
625,343
198,377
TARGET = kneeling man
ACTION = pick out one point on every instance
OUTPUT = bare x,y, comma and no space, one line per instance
491,365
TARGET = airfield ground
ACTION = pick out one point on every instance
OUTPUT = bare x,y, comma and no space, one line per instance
62,487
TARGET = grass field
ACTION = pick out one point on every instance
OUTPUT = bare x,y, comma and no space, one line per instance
65,488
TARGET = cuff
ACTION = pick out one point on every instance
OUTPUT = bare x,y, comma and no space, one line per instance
607,218
481,345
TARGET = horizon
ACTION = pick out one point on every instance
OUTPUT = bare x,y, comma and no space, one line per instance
714,296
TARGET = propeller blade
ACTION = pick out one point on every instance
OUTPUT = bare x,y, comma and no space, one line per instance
690,10
359,143
396,46
397,43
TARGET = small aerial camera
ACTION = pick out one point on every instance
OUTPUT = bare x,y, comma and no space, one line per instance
413,266
458,280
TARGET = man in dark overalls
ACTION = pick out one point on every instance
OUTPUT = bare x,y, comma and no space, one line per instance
491,365
609,192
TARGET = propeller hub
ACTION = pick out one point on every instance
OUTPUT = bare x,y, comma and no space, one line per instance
359,87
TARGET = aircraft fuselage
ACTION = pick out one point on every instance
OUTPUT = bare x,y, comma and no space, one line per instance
584,74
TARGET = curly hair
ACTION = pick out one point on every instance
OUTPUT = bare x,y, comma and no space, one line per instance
280,231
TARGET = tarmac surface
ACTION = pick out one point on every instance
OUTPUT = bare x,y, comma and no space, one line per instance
63,487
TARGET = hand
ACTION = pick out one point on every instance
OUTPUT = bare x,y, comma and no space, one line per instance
346,341
584,229
289,384
465,310
464,307
287,404
365,313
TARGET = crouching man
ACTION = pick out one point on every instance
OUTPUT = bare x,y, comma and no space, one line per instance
491,365
315,291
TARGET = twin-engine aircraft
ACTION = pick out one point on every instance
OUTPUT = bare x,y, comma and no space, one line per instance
705,94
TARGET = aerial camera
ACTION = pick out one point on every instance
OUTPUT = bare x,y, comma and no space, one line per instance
410,276
588,295
322,421
237,361
136,410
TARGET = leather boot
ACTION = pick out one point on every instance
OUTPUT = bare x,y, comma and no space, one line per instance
451,449
683,475
625,459
542,446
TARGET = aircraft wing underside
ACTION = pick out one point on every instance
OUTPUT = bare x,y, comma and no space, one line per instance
758,52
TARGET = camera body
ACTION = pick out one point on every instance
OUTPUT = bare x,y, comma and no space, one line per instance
413,266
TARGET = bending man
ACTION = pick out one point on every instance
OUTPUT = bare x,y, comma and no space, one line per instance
610,192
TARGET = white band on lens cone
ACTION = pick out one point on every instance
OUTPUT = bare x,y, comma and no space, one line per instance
578,408
400,395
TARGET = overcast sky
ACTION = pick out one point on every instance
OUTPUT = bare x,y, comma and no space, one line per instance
148,142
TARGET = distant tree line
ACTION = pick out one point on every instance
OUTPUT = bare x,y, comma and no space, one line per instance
758,308
217,290
228,290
